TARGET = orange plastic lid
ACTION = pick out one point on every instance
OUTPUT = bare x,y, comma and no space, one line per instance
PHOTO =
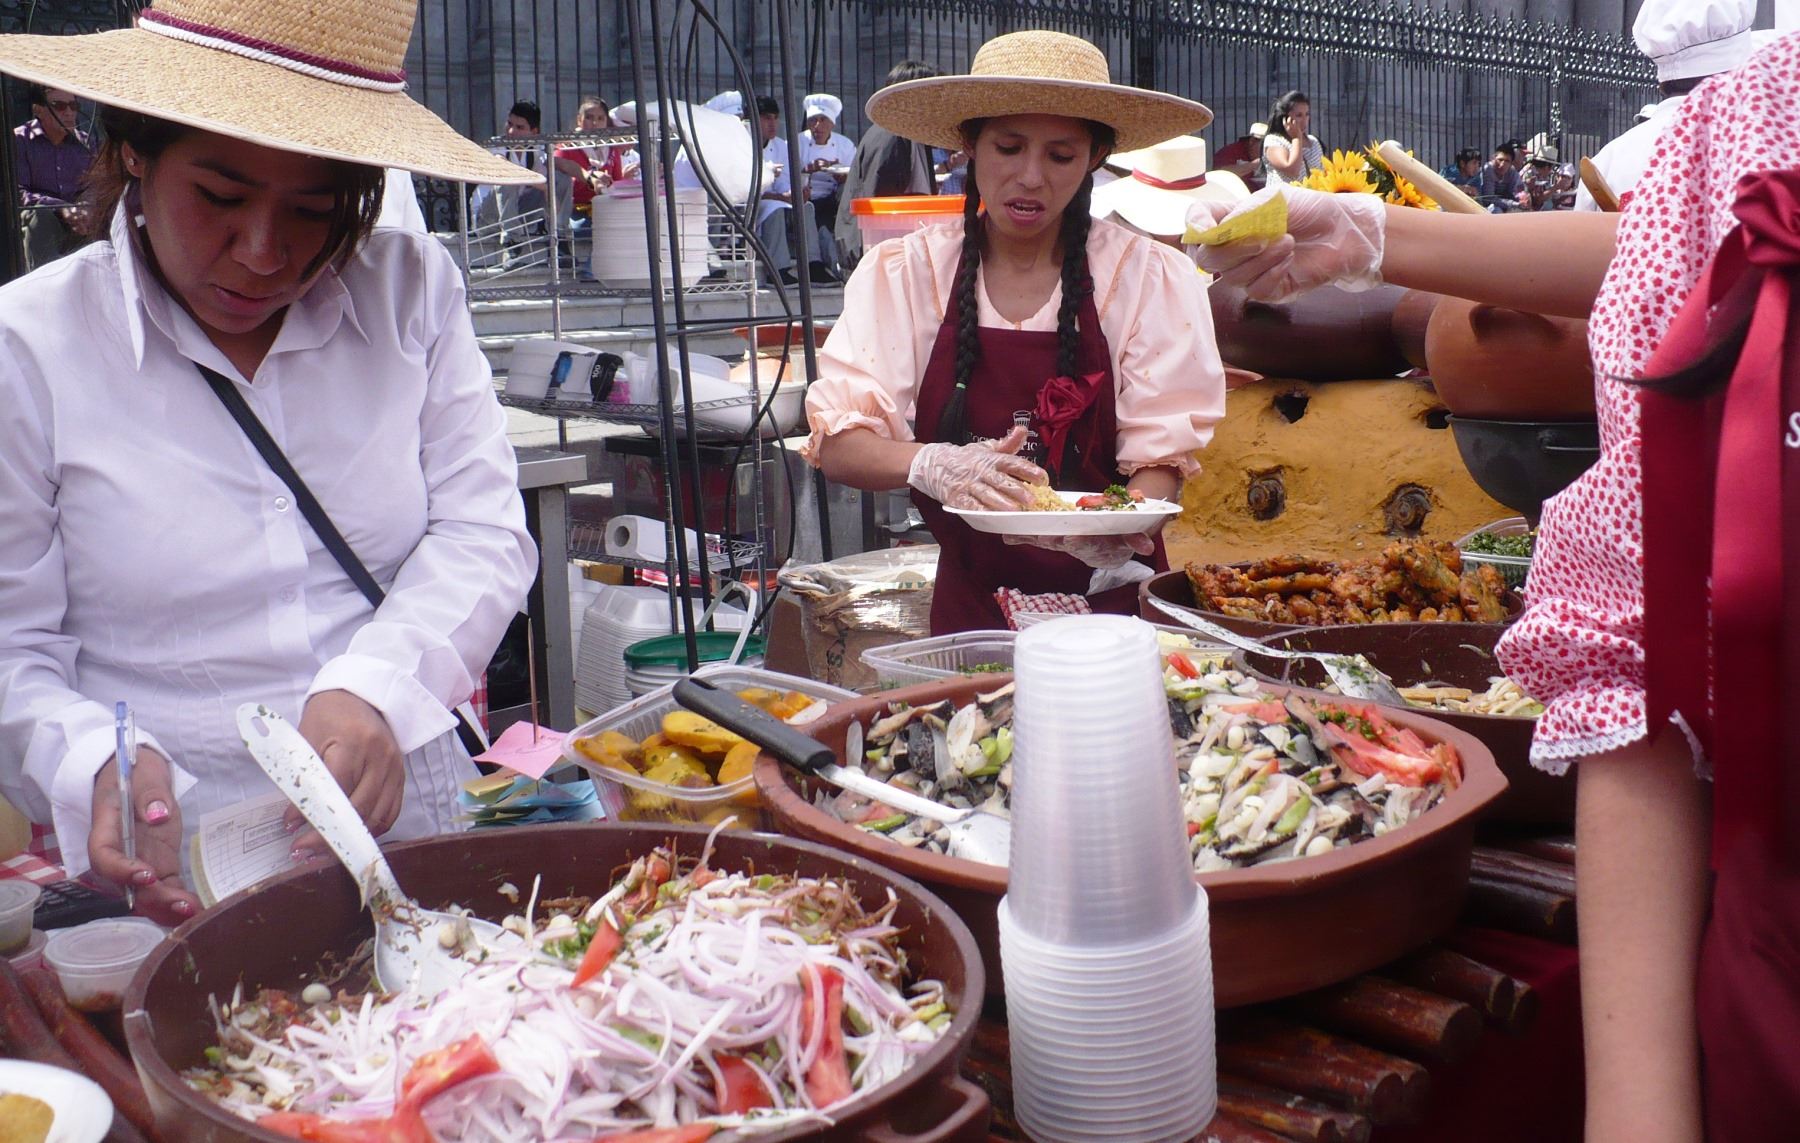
909,204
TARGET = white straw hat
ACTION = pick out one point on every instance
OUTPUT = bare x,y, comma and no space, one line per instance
1165,180
321,78
1033,73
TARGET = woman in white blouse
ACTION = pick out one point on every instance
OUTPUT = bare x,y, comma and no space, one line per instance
1290,151
1026,312
148,553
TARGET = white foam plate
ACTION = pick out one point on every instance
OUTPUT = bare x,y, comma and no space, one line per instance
83,1112
1144,518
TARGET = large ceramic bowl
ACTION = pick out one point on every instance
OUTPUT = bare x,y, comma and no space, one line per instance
1277,929
274,936
1457,655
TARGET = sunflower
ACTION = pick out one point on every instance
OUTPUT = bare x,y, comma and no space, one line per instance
1406,194
1341,174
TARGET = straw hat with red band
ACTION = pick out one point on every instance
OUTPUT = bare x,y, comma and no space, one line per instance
1164,181
1033,73
322,78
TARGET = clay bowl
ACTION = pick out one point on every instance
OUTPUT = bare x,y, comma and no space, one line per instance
1455,654
1326,334
1507,365
1277,929
1174,587
1411,319
273,937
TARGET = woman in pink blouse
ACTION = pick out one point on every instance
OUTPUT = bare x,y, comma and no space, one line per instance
1099,339
1690,982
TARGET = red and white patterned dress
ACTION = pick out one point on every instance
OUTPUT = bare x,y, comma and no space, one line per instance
1579,647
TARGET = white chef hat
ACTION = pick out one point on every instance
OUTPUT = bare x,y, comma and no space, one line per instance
728,103
830,106
1690,38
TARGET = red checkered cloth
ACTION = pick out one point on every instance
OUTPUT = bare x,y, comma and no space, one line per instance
41,861
479,700
1014,602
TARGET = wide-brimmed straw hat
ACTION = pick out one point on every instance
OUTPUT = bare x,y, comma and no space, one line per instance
1033,73
1164,181
320,78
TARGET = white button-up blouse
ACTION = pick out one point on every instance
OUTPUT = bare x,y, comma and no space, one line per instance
149,554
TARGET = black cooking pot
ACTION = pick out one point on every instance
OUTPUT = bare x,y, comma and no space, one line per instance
1524,463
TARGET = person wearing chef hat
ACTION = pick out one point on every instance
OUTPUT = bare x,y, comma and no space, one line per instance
1162,183
1687,40
149,551
1026,324
825,158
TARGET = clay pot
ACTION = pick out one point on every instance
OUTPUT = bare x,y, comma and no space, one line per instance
1326,334
1498,364
1411,317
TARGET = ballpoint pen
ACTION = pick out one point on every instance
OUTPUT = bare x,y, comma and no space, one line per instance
127,755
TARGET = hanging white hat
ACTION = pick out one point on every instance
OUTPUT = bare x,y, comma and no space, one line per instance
728,103
830,106
1165,180
1691,38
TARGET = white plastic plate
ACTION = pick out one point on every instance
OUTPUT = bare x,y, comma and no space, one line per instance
1144,518
83,1112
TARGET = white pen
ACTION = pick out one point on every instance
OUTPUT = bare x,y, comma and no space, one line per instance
127,756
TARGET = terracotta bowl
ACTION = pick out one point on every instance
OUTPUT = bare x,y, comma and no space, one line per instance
273,937
1455,654
1326,334
1173,586
1507,365
1277,929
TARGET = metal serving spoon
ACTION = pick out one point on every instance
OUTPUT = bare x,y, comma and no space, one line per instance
1354,675
414,946
975,834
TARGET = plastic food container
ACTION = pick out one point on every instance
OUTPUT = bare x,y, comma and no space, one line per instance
632,797
96,961
32,955
17,900
1511,568
656,663
942,657
883,218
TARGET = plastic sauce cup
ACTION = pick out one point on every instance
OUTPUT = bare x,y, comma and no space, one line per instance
17,900
96,961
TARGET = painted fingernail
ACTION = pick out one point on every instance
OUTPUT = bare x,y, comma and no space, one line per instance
156,812
144,877
295,825
185,908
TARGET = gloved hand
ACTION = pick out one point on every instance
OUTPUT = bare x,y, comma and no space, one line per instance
1331,240
1094,551
981,477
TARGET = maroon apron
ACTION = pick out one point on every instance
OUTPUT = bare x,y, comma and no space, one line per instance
1722,643
1014,366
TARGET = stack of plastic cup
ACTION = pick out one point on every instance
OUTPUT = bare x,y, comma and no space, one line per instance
1104,941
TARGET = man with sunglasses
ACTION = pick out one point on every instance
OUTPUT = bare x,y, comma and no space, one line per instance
51,156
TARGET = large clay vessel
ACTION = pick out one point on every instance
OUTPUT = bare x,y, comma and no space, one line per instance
1498,364
1326,334
1411,317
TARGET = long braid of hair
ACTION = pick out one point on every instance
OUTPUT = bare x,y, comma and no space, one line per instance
1076,286
953,424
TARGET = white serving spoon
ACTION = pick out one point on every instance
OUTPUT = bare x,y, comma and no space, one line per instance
414,946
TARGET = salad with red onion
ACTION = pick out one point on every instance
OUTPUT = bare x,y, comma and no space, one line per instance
684,1001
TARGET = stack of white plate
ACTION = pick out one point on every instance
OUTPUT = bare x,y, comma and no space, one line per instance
618,617
621,250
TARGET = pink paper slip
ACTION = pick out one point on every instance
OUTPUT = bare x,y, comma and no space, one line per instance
515,750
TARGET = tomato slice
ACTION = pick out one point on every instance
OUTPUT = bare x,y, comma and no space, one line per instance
434,1073
828,1079
656,871
1093,501
1183,665
741,1088
302,1125
600,952
693,1133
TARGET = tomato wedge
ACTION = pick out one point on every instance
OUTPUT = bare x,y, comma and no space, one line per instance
693,1133
828,1079
434,1073
656,871
600,952
1183,665
302,1125
741,1088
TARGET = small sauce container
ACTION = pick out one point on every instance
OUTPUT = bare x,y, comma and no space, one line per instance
32,955
17,900
97,960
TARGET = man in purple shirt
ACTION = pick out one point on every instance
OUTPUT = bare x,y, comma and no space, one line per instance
50,157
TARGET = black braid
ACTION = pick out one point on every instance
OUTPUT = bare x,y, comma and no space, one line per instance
953,424
1076,285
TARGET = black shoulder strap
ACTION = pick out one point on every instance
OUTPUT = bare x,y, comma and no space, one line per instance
309,504
314,512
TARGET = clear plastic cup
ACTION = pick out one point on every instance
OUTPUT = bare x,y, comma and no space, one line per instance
96,961
18,898
1099,852
1177,1116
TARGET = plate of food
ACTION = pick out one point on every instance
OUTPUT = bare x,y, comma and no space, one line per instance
1115,511
41,1102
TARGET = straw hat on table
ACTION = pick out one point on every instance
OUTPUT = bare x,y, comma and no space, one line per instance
1033,73
1164,181
321,78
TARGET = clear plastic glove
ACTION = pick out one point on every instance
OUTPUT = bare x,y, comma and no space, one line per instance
1094,551
1331,240
981,477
